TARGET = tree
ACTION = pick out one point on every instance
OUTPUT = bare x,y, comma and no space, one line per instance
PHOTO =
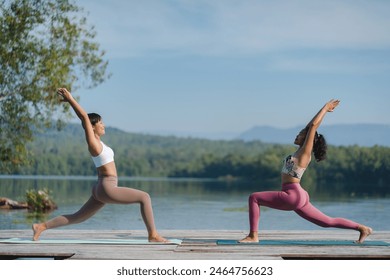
44,44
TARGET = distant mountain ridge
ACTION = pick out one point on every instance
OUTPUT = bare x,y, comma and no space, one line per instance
339,135
365,135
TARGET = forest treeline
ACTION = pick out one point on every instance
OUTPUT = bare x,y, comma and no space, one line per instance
364,169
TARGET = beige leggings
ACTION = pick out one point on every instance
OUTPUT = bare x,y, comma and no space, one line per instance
107,191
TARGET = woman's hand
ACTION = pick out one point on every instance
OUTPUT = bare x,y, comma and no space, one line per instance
331,105
65,94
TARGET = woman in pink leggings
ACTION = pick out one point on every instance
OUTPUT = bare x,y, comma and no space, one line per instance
106,189
293,197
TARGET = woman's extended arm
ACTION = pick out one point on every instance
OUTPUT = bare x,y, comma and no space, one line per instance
317,119
313,125
94,145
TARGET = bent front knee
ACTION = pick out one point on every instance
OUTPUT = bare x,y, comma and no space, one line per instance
252,198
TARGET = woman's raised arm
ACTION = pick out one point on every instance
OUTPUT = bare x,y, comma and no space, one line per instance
94,144
313,125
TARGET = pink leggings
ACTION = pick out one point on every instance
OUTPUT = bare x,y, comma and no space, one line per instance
107,191
293,197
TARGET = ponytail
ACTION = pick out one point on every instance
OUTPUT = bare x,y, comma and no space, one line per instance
320,147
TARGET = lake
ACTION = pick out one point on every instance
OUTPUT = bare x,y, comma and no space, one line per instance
184,204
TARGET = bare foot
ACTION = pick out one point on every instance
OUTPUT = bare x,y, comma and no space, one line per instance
252,237
364,232
38,229
249,239
157,238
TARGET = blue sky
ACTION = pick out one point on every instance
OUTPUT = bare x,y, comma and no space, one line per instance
221,67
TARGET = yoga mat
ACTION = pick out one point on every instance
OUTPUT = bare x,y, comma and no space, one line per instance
90,241
306,242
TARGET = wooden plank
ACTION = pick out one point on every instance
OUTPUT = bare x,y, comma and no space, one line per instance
29,255
196,245
334,257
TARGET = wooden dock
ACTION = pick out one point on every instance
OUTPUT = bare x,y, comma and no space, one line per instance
196,245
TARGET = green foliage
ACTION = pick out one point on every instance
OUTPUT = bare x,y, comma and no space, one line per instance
40,201
44,44
365,170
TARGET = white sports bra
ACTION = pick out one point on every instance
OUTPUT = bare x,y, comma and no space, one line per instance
106,156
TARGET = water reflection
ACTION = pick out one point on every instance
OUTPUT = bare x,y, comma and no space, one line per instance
184,204
77,189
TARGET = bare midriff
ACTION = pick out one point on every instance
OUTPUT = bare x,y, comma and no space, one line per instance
287,179
108,169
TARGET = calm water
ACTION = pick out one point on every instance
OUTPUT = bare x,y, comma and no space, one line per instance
183,204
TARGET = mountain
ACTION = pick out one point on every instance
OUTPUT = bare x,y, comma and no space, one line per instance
339,135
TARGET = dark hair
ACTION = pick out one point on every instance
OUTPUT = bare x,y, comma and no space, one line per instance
319,147
94,118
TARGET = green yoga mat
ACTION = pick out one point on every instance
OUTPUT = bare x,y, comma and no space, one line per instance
306,242
90,241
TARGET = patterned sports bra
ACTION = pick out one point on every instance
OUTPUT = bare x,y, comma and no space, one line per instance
290,167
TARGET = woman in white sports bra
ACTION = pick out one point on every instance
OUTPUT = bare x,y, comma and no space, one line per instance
293,197
106,190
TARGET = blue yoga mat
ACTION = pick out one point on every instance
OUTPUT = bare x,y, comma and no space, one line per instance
134,241
306,242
